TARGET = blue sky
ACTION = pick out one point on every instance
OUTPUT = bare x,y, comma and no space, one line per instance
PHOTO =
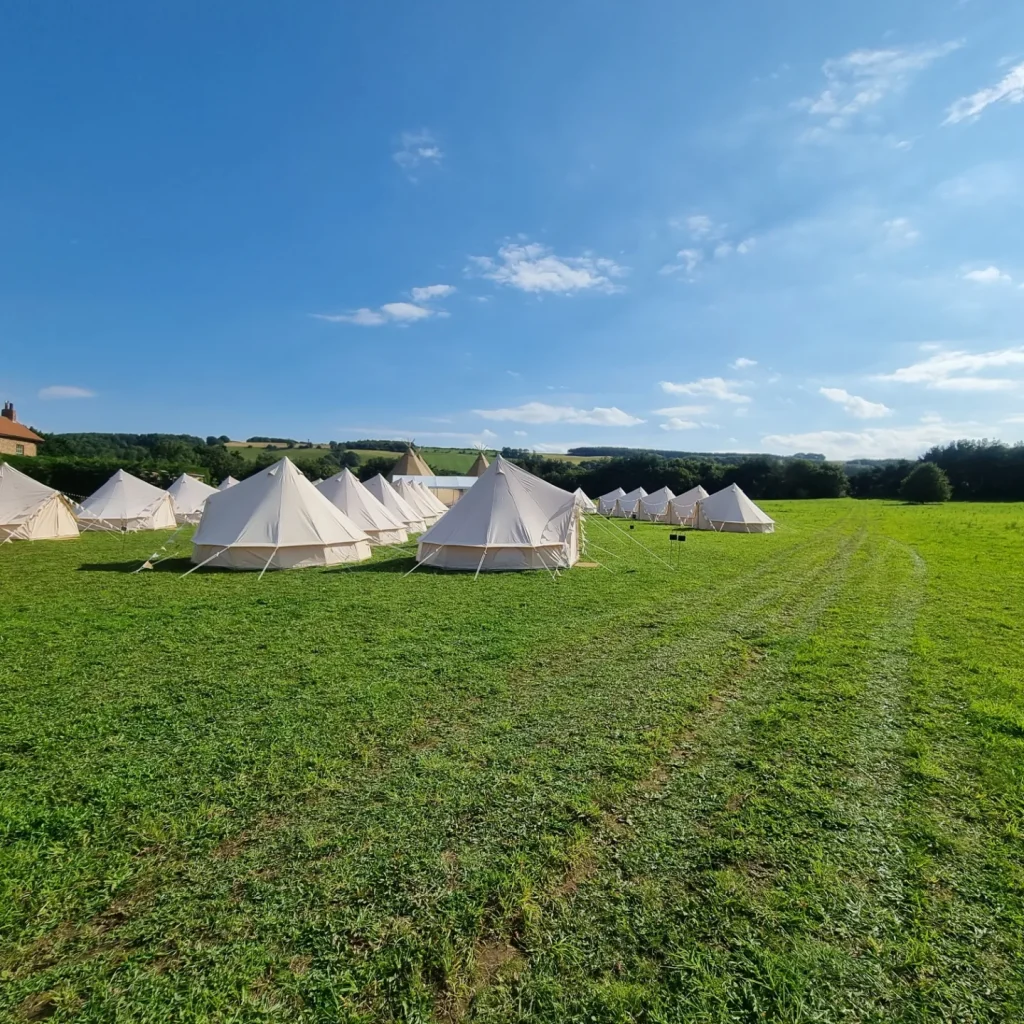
785,227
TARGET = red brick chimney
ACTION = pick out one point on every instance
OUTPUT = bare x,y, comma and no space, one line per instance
8,412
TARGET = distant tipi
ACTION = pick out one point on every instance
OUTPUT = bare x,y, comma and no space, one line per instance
410,464
480,466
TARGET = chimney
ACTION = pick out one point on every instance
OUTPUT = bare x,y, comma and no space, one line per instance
8,412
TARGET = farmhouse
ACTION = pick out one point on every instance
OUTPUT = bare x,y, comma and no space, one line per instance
15,437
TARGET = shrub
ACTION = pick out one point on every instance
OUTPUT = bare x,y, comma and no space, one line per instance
925,483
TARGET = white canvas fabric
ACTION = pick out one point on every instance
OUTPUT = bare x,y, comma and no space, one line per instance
395,503
30,510
582,501
276,519
431,498
626,506
228,481
682,509
606,502
731,511
126,503
654,508
510,520
413,497
189,495
344,491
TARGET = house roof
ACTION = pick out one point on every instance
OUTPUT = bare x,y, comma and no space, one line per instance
18,431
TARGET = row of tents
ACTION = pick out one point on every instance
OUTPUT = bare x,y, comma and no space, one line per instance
277,519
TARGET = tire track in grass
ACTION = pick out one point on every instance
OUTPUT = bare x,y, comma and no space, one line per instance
507,791
759,882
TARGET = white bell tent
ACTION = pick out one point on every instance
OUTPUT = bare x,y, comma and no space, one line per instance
731,511
345,492
127,504
382,490
228,481
276,519
625,507
582,501
430,497
682,509
414,498
189,495
606,502
510,520
654,508
30,510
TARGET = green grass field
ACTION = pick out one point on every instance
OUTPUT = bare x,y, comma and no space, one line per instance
781,782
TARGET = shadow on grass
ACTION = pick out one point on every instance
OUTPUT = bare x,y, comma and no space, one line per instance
177,565
399,565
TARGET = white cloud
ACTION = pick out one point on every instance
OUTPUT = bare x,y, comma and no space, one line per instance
540,412
405,312
899,231
677,423
432,291
990,275
746,246
742,363
1014,419
699,225
956,370
65,391
519,433
362,317
722,250
714,387
513,373
530,267
875,442
415,149
854,405
688,261
683,410
390,312
1010,88
864,78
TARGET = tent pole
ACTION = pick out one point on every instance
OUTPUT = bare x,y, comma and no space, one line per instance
201,564
480,564
269,560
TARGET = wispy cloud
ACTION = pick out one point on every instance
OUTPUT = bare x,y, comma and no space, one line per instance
713,387
530,267
688,261
742,363
391,312
683,410
900,232
414,149
65,391
699,226
957,370
874,442
989,275
864,78
432,291
678,423
1009,89
540,412
856,406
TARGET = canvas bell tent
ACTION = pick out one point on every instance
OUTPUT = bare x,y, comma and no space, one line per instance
510,520
30,510
189,495
415,499
582,501
682,509
228,481
395,503
606,502
127,504
654,508
410,464
731,511
344,491
431,498
626,506
276,519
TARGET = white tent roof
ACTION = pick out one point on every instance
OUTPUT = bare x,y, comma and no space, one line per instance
431,498
583,501
662,496
277,508
394,503
633,495
21,498
414,497
347,493
228,481
507,507
122,497
731,505
189,494
690,497
612,495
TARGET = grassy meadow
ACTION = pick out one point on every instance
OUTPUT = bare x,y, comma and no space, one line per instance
780,780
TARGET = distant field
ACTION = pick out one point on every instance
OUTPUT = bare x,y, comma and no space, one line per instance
781,782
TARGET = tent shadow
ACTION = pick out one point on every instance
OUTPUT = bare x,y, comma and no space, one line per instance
176,565
399,565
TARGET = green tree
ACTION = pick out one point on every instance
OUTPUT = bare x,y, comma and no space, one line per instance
926,482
